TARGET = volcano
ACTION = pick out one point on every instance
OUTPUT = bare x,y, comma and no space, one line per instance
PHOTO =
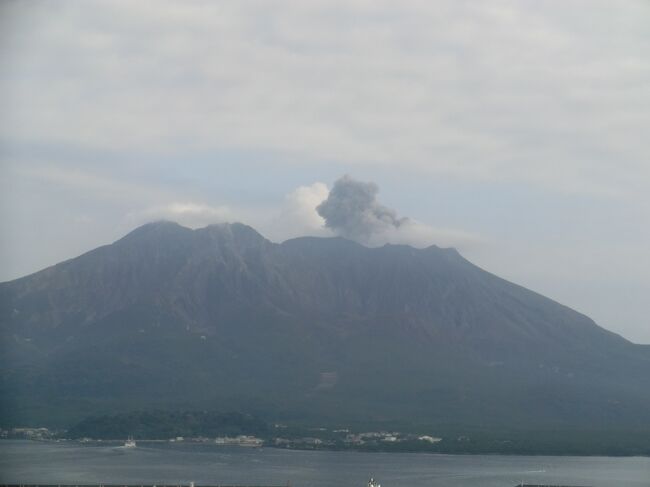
312,329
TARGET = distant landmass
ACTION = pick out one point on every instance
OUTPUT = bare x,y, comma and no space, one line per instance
312,331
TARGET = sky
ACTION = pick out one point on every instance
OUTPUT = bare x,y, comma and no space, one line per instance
516,131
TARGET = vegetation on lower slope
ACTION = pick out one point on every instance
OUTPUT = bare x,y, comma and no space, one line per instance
163,425
378,437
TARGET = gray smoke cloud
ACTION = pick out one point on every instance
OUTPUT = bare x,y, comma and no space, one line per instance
352,211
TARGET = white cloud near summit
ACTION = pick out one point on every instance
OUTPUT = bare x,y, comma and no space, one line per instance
294,216
192,215
297,215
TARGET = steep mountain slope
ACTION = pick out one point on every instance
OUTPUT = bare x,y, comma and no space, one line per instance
312,329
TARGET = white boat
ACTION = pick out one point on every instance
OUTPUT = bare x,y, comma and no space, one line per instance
373,483
130,443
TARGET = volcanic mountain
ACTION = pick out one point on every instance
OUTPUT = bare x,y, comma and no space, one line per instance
312,329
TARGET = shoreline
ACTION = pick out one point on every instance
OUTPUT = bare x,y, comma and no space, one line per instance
189,441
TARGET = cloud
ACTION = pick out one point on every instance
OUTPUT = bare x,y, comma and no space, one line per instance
351,210
495,91
297,216
420,235
193,215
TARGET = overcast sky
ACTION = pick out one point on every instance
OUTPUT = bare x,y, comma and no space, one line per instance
518,132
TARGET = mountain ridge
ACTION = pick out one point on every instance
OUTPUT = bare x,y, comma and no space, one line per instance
320,328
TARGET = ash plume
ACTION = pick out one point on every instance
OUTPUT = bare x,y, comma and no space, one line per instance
351,210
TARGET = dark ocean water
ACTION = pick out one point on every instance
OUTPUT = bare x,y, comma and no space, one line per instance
151,463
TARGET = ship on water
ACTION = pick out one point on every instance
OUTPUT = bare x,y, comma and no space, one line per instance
129,443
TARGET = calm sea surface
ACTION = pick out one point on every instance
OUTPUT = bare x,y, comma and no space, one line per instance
36,462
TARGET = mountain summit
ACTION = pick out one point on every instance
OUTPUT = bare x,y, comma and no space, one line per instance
313,329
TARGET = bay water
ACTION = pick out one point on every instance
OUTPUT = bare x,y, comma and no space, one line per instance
31,462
